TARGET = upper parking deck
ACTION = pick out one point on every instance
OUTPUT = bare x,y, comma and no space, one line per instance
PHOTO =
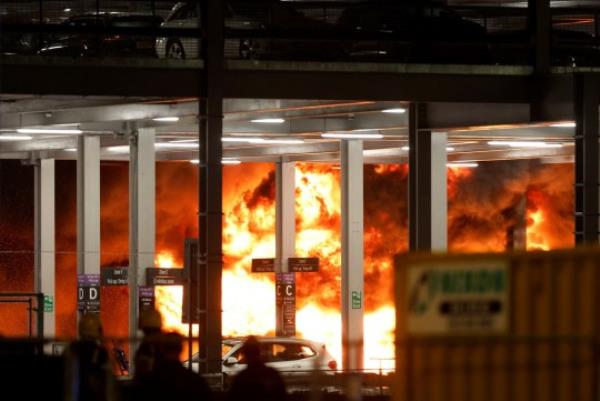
155,47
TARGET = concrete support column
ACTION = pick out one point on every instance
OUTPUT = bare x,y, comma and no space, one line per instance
88,205
428,203
285,234
44,227
352,254
587,160
142,216
439,192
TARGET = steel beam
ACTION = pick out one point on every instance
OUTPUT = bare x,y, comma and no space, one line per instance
44,228
539,27
40,144
60,78
352,254
88,205
495,84
419,180
587,161
104,113
285,234
142,217
210,199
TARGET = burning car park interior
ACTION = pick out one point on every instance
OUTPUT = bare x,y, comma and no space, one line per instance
400,201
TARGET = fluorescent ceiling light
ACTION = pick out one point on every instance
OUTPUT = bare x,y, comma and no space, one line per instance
241,139
118,149
448,149
262,140
184,140
171,145
396,110
67,10
462,165
65,131
350,135
166,119
223,161
71,150
525,144
15,138
268,120
282,141
564,124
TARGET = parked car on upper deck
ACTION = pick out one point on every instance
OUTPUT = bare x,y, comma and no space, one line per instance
268,20
77,44
569,48
411,32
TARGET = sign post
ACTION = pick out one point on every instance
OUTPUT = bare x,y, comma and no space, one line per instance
285,297
114,276
88,293
285,289
303,265
160,276
266,265
145,298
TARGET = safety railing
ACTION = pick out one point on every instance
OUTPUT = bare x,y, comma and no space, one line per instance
27,311
315,31
299,31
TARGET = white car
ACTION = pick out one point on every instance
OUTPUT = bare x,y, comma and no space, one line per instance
186,15
289,355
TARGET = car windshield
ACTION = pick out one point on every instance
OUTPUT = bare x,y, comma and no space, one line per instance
225,348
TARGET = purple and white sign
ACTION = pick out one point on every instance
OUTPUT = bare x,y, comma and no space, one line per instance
285,300
145,298
88,293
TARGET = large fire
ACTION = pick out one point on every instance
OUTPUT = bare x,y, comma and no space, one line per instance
482,206
248,299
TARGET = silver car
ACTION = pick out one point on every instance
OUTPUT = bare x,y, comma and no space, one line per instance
289,355
186,15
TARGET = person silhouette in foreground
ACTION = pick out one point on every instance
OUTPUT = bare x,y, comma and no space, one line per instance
169,379
257,381
89,368
145,357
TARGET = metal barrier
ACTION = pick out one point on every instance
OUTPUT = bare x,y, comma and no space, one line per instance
312,31
34,303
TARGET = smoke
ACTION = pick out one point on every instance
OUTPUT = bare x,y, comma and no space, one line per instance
482,210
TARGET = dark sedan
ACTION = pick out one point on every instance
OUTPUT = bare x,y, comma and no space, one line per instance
93,40
411,32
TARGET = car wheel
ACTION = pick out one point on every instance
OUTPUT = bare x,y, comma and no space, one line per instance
248,49
175,50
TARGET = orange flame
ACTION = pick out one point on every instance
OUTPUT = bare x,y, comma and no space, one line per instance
475,196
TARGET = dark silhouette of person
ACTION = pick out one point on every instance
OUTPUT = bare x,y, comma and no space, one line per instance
88,365
257,381
145,356
169,379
